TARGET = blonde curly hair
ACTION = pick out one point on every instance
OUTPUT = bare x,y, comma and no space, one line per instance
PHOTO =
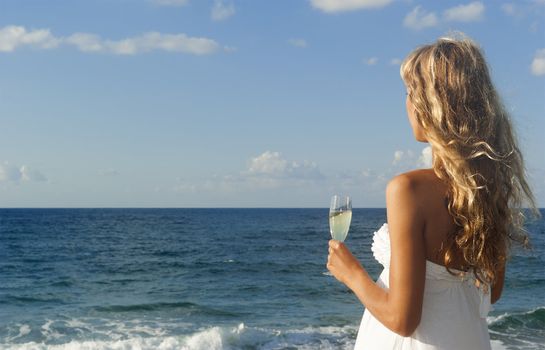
474,151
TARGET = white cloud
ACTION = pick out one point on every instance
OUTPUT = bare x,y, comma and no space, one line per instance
419,19
86,42
538,64
371,61
12,37
10,172
426,158
268,170
520,10
465,13
510,9
334,6
370,184
170,2
221,10
398,155
406,160
156,41
395,61
298,42
401,157
271,164
271,174
30,174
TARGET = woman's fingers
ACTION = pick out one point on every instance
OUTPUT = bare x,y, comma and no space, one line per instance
334,244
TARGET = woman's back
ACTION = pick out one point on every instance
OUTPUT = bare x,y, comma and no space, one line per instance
454,308
439,223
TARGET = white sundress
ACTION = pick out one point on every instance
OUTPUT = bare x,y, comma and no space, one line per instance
454,310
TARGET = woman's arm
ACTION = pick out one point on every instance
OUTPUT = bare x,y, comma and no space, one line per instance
498,285
400,307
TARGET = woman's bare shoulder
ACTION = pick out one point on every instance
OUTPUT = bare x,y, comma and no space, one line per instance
407,188
423,185
418,180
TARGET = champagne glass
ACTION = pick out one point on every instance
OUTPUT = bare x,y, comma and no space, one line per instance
340,215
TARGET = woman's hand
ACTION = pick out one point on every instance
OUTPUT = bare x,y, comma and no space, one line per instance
342,264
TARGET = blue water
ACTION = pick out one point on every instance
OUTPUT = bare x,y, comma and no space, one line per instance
207,279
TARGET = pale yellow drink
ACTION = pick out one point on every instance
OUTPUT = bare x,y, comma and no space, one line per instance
339,223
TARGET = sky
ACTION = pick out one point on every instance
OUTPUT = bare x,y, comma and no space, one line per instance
237,103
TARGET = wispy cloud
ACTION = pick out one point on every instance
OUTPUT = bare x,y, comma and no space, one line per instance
272,164
170,2
222,10
13,37
266,171
529,12
511,9
334,6
371,61
426,157
406,160
371,183
271,171
398,156
465,13
13,173
297,42
147,42
538,63
419,18
522,9
395,61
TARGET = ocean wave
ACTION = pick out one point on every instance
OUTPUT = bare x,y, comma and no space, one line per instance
533,319
114,334
186,308
519,330
27,299
214,338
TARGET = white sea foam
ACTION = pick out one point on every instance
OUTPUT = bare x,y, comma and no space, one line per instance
491,320
23,329
497,345
144,335
49,333
211,338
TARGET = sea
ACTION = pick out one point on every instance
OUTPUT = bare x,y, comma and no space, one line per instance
207,279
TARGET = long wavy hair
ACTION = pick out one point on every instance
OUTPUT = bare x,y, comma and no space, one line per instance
474,149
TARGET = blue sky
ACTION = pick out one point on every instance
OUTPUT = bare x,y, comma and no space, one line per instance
236,103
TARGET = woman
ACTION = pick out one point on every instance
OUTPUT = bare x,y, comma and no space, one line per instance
449,227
